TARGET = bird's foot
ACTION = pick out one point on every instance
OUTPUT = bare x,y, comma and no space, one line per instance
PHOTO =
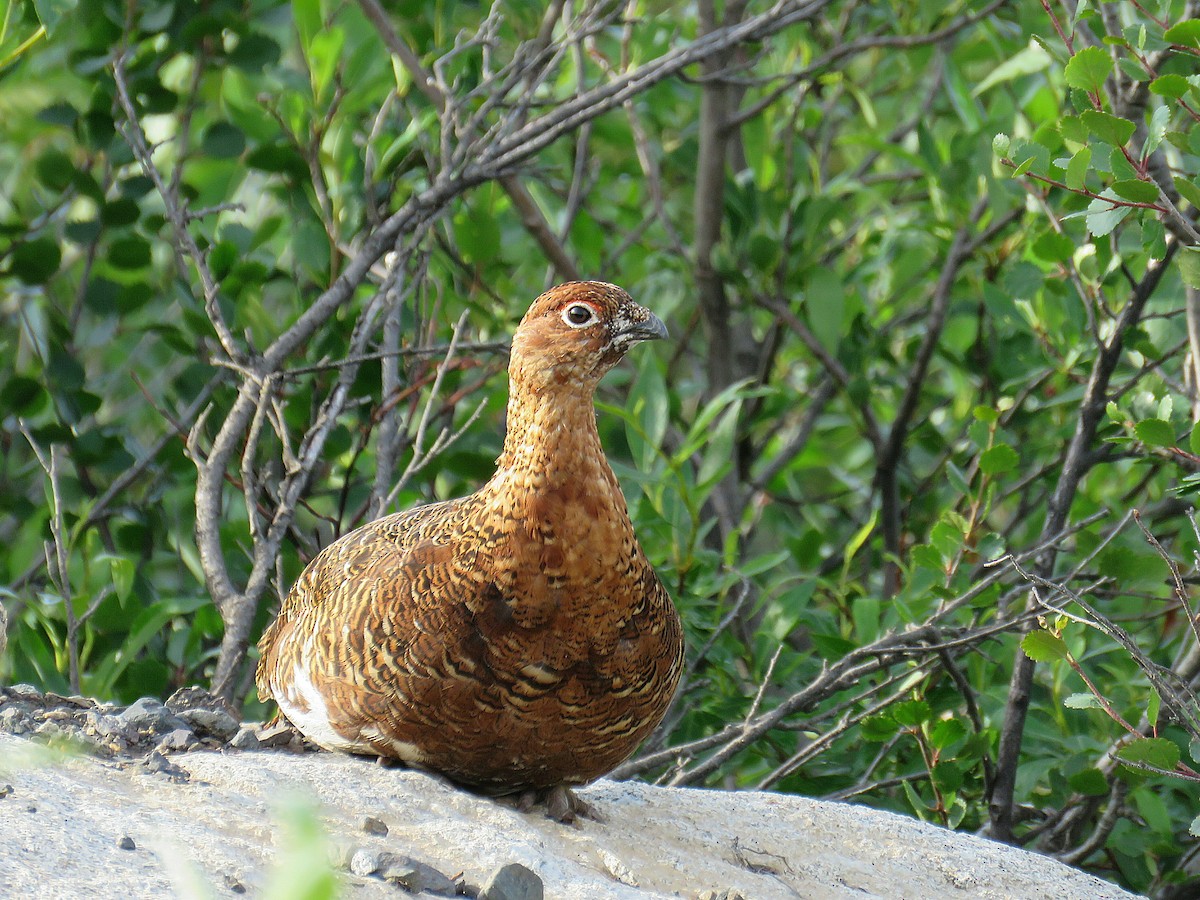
562,804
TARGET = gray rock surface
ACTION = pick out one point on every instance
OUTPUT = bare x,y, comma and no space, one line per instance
228,824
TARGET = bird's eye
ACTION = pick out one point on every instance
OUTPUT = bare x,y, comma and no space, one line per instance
577,315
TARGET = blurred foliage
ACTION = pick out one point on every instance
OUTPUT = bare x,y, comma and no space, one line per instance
847,192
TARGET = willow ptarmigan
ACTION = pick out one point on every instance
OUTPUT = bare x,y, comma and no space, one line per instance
516,639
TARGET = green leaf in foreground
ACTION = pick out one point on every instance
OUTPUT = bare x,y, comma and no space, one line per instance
1186,32
1155,433
1189,266
1110,129
1088,69
1158,752
998,459
1043,647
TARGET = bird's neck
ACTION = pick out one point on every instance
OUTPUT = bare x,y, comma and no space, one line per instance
551,440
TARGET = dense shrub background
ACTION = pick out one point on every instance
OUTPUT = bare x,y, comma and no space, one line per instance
926,269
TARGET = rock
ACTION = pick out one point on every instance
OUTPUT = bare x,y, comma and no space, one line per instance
177,741
159,764
110,727
365,861
617,869
187,698
414,876
513,882
149,714
233,883
678,842
211,723
246,739
372,825
25,693
16,721
125,842
6,790
280,735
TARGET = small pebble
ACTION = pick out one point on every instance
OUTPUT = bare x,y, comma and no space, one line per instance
414,876
365,861
372,825
15,721
26,693
125,842
513,882
150,713
245,739
157,763
178,740
5,790
233,884
276,736
617,869
216,723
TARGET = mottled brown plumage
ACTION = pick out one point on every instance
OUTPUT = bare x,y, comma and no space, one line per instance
515,639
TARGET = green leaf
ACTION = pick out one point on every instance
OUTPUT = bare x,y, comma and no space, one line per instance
1000,144
1194,828
223,141
1088,69
1110,129
1155,433
51,12
998,459
1024,166
324,52
1083,701
129,253
1189,266
1188,191
1043,647
1186,32
34,262
1090,782
879,728
1156,130
1077,168
1153,707
1158,752
1136,191
1169,86
946,732
123,571
120,212
1103,216
307,14
911,713
1032,59
1053,246
825,302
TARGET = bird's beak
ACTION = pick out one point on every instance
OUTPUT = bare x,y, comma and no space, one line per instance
651,329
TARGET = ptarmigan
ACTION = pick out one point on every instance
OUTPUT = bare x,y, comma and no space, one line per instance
513,640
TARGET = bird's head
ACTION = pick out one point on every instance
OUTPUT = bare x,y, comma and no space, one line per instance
576,332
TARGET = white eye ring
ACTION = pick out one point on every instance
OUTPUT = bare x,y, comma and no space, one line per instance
571,315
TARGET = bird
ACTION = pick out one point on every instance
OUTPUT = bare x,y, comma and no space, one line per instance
515,640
